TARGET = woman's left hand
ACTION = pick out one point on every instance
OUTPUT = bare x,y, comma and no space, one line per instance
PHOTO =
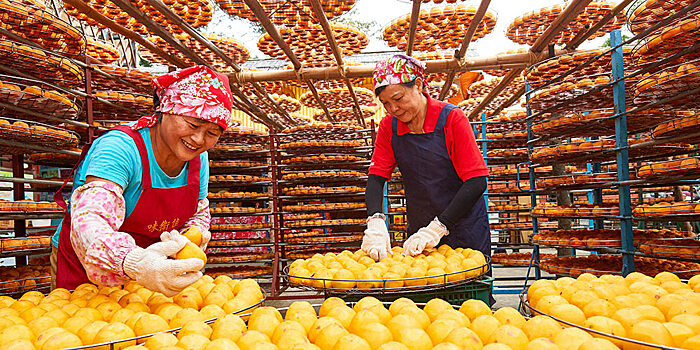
426,238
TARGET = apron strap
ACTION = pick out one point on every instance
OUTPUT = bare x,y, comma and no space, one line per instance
442,118
193,171
58,196
146,168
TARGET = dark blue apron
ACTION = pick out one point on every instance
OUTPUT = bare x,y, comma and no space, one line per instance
431,182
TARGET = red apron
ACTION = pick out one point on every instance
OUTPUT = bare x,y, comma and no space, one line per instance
157,210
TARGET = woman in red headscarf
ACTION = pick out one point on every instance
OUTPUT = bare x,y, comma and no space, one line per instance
444,174
139,185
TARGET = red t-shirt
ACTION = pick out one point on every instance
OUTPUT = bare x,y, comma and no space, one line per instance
459,137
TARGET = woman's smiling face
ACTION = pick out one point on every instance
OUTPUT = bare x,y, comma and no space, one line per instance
188,137
401,101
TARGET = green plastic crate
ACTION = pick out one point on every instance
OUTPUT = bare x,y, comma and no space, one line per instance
477,289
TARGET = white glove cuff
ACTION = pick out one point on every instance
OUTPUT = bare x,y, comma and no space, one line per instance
131,261
442,226
377,216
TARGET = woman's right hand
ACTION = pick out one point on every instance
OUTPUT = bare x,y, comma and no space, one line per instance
151,267
376,242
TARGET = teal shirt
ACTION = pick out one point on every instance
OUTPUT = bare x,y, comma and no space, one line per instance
115,157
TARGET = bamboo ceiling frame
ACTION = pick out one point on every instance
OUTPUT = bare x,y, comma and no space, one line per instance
480,13
177,20
580,37
156,28
565,17
413,26
271,29
321,16
515,62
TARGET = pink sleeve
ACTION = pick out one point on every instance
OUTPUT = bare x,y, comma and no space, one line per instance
98,210
201,218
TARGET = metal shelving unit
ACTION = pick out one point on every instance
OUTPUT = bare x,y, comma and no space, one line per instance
622,183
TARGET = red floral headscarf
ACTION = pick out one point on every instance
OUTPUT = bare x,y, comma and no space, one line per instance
396,70
197,92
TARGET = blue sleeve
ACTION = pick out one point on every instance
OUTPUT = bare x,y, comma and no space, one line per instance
113,157
204,175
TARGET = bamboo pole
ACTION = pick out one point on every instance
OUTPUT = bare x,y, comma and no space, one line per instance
270,28
569,14
117,28
156,28
321,16
187,28
413,25
507,79
583,36
504,61
478,16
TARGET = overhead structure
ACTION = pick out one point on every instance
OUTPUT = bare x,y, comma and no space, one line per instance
471,30
437,28
577,40
287,13
318,12
559,24
530,27
277,37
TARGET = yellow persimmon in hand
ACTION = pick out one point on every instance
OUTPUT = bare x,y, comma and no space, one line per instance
191,250
194,234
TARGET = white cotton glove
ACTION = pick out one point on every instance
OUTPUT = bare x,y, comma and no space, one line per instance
168,235
151,267
376,241
427,237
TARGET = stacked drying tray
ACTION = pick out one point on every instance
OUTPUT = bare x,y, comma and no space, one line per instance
506,190
672,54
31,114
581,131
240,191
322,170
501,138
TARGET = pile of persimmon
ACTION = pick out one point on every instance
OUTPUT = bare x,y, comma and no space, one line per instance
233,48
667,208
685,125
688,165
438,28
545,71
526,29
288,14
337,98
357,270
612,264
580,238
309,43
658,310
516,259
578,210
321,174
